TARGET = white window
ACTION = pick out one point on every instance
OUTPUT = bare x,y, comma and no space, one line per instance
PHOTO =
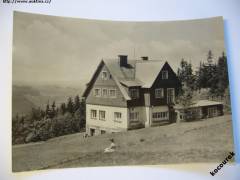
164,74
97,92
159,93
112,93
102,115
160,115
117,116
170,95
93,114
134,116
134,93
104,92
104,75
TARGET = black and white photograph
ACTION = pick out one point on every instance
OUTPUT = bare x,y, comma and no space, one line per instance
93,93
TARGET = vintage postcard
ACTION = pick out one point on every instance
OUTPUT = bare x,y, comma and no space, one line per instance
112,93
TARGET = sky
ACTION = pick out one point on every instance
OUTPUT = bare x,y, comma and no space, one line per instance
58,50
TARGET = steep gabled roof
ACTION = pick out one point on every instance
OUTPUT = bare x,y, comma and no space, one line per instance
138,73
147,71
115,75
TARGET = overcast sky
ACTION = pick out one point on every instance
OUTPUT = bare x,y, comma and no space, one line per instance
57,50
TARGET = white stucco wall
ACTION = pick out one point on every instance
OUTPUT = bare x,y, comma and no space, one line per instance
142,116
109,124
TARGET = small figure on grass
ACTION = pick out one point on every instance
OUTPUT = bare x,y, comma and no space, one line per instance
111,148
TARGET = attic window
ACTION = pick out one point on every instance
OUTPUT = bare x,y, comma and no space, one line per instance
97,92
104,75
164,74
112,93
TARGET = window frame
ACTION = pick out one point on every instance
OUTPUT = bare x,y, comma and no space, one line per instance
106,95
165,72
159,116
100,92
100,115
136,96
104,77
160,95
212,111
117,119
135,116
91,113
109,94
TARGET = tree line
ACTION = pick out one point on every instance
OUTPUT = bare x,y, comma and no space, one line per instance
210,75
42,124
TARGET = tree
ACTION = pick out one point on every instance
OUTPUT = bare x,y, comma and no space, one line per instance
185,99
70,106
63,108
53,111
76,103
35,114
210,57
47,111
185,74
222,73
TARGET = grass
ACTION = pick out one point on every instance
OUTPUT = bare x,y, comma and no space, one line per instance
202,141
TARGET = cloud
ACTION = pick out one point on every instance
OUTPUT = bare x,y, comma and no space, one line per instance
54,49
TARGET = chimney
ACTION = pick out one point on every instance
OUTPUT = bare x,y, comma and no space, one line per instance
144,58
123,60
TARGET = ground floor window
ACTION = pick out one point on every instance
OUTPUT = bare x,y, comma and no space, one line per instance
102,115
117,116
134,116
93,114
160,115
212,111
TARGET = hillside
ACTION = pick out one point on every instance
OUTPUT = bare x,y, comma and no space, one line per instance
203,141
24,98
20,103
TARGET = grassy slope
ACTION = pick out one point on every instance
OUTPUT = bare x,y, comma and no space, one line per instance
202,141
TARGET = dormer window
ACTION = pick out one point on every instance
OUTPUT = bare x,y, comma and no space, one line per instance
104,75
164,74
134,93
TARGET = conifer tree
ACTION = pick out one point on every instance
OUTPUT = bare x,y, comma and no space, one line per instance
70,106
76,103
63,108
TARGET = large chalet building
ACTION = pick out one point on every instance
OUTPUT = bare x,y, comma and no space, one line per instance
122,96
129,94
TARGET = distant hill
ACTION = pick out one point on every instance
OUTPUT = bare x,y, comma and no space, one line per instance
24,98
20,103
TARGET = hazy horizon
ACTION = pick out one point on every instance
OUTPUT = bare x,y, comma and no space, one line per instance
66,51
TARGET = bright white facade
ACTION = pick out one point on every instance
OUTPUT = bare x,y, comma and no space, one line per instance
107,119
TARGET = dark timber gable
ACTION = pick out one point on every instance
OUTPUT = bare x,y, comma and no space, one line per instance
171,82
